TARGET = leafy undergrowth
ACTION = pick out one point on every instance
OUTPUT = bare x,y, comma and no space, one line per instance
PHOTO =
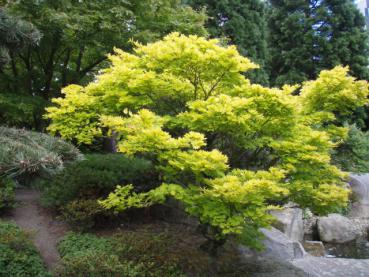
145,250
18,256
7,194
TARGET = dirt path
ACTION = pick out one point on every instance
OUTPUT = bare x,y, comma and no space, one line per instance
46,230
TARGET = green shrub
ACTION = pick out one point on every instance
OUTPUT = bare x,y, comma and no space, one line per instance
149,250
25,154
95,177
83,213
73,242
7,194
18,257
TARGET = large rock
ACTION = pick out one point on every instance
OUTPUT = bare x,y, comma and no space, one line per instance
360,188
332,267
275,259
289,221
277,246
337,228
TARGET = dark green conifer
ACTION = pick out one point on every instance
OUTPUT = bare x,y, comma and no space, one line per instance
243,23
307,36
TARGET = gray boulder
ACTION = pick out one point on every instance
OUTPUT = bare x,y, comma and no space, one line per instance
360,188
337,228
332,267
289,221
277,247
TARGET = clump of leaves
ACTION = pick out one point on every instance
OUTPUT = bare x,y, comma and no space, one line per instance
83,213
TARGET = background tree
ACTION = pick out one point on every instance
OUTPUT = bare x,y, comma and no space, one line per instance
242,23
16,35
307,36
78,35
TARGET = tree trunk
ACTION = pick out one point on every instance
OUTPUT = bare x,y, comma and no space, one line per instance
110,143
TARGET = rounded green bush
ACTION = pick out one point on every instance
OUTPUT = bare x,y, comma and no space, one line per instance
95,177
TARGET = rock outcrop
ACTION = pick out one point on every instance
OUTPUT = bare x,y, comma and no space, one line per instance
289,221
277,246
332,267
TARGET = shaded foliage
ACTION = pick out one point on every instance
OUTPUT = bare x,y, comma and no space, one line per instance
75,191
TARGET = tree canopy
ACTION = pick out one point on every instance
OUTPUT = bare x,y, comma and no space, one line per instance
226,148
78,35
307,36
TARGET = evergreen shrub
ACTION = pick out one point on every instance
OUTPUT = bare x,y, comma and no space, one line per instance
75,190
